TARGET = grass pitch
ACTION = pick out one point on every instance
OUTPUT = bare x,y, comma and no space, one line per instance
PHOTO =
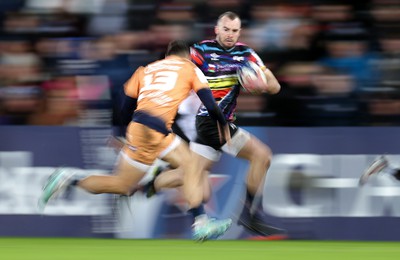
98,249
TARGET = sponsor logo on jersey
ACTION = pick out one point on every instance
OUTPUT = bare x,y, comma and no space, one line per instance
212,68
214,56
238,58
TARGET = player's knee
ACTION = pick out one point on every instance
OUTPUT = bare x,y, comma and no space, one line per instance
206,196
262,154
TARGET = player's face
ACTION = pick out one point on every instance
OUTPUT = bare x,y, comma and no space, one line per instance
228,31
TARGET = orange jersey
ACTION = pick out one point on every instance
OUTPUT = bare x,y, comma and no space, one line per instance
161,86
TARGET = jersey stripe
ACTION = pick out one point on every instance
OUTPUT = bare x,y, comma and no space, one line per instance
219,66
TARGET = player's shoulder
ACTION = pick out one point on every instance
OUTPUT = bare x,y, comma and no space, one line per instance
138,70
204,44
243,46
187,62
182,63
190,66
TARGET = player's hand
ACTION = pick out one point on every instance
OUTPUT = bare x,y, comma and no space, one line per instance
224,134
273,86
227,134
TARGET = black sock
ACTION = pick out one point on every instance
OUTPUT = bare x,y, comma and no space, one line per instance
249,198
195,212
76,179
74,182
396,174
253,201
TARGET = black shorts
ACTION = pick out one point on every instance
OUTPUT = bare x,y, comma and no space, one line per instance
207,132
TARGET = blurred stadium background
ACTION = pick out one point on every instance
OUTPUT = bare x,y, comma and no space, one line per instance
62,67
63,62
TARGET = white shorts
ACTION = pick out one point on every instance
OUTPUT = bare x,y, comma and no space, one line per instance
238,141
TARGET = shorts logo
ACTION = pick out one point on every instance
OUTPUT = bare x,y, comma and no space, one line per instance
132,148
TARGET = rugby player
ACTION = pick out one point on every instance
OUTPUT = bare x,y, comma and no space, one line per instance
153,95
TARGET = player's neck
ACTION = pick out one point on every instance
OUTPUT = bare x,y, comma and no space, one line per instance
225,48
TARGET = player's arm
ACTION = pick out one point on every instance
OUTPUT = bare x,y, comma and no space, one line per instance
126,110
208,101
204,93
215,113
273,85
129,101
129,113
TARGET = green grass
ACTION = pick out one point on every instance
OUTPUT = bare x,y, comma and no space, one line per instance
119,249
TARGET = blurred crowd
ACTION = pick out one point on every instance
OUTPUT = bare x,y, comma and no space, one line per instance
64,62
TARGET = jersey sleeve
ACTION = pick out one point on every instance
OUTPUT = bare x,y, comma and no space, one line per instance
197,57
255,58
131,87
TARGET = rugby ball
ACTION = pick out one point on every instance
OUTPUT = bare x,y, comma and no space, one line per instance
252,78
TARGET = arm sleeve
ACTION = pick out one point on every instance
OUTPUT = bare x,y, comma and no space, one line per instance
127,108
214,111
129,99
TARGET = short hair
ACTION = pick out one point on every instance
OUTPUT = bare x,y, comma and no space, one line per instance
229,14
177,47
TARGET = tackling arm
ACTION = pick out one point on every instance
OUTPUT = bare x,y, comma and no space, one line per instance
126,110
215,112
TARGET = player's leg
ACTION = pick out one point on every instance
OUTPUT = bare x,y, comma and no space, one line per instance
207,189
198,191
205,154
396,174
128,173
199,213
196,181
259,156
380,165
203,228
202,224
246,146
138,153
174,179
130,169
163,179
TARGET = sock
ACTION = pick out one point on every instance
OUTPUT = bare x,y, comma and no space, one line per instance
396,174
79,174
198,211
249,198
253,202
74,182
